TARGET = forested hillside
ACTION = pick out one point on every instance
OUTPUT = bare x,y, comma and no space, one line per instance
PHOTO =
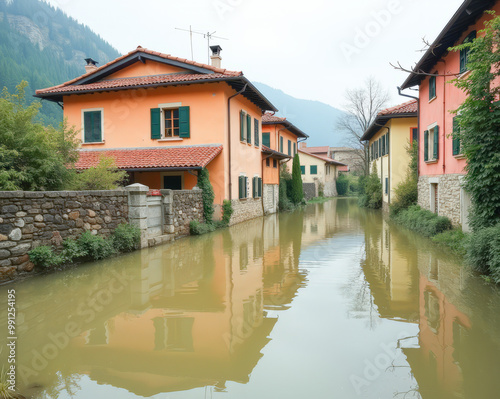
44,46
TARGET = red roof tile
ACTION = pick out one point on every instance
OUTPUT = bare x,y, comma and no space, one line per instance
326,159
316,150
405,108
136,81
343,168
139,49
138,158
270,118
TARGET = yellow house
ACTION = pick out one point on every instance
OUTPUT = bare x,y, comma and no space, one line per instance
388,137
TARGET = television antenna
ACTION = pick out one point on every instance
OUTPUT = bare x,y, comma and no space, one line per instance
206,35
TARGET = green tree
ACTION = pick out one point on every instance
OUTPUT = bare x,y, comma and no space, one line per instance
372,197
406,192
479,121
32,156
297,191
104,176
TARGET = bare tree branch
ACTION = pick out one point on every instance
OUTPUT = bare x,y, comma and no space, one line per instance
361,109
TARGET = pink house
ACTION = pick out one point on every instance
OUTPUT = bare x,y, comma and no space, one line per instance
441,164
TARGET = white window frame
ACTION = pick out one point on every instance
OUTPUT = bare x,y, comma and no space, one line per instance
245,127
163,107
430,144
83,125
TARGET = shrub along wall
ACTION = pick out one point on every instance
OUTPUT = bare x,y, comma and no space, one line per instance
30,219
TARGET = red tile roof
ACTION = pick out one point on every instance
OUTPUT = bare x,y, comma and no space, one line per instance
316,150
405,108
139,49
325,159
343,168
270,118
131,82
139,158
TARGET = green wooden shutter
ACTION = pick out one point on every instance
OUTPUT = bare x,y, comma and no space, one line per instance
426,145
436,142
266,139
314,169
257,132
294,149
303,169
96,127
240,187
387,145
289,147
259,187
87,123
249,129
246,186
155,123
281,144
184,125
242,126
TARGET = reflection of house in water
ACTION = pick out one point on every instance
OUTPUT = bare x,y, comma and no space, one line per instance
443,328
390,268
196,318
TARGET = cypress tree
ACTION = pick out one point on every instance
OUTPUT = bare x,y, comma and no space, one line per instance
297,189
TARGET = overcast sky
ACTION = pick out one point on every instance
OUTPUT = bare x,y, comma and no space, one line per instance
314,49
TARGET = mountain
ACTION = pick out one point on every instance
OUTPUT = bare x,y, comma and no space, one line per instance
44,46
315,118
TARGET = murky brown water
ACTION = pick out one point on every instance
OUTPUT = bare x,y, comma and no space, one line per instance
330,302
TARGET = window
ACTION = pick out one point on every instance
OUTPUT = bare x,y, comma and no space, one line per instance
92,126
314,169
257,187
464,54
383,145
245,127
387,185
431,144
256,139
268,162
281,144
303,169
172,122
457,150
266,139
414,135
243,187
275,163
432,87
289,147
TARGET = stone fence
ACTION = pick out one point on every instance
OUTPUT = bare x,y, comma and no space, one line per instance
30,219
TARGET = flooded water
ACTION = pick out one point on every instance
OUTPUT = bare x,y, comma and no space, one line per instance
327,302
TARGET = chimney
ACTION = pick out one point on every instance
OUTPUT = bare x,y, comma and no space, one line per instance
302,145
215,57
91,65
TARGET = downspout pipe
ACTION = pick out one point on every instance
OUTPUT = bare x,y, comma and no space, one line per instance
229,137
389,186
418,127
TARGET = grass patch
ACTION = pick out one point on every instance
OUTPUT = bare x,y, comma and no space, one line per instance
423,221
454,239
319,200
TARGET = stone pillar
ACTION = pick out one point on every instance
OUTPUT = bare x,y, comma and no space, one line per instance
168,206
138,209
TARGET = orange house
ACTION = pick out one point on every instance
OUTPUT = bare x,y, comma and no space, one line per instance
164,118
279,145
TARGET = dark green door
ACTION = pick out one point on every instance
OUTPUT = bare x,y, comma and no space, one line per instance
172,182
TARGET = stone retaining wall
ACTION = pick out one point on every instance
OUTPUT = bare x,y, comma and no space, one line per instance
30,219
271,198
310,190
330,189
449,187
246,209
187,206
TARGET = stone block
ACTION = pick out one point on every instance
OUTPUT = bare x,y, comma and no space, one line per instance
4,254
7,272
16,234
20,249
